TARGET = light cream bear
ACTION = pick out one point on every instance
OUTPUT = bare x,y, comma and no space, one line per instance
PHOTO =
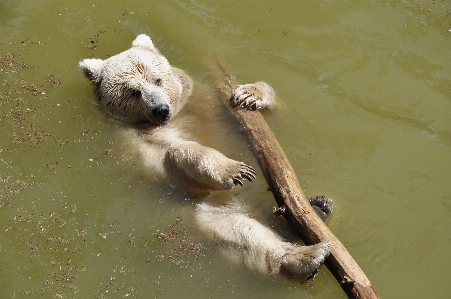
140,87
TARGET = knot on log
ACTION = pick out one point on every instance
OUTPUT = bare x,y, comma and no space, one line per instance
279,211
350,283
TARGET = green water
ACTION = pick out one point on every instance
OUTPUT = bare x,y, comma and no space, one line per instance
364,117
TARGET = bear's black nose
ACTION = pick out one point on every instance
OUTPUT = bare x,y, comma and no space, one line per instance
161,112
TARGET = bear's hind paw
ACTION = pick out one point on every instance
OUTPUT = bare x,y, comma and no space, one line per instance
322,206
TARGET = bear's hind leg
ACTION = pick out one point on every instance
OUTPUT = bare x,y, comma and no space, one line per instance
204,168
246,240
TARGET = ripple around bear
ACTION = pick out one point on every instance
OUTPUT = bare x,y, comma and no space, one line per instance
140,87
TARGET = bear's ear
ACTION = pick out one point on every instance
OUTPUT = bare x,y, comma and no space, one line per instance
144,41
186,83
91,68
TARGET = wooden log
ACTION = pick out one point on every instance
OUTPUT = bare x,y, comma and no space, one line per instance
292,202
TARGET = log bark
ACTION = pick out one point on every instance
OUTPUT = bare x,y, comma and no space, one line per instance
292,202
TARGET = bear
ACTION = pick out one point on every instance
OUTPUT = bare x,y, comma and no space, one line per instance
141,89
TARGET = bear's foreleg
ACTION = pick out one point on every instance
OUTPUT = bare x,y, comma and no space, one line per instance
204,168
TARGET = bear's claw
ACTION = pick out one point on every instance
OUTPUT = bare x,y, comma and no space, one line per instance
249,172
254,96
237,181
245,100
246,172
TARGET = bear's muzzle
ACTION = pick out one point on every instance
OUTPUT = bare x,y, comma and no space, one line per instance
156,107
161,113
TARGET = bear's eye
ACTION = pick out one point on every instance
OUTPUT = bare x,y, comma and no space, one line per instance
158,82
136,93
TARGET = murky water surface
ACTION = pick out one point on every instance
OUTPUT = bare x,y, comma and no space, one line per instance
364,117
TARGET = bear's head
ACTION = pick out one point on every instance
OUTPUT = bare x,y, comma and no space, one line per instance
138,85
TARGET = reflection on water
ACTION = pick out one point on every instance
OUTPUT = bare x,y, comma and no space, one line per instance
364,91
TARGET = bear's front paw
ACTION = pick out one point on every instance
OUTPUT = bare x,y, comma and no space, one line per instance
255,96
244,172
322,205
